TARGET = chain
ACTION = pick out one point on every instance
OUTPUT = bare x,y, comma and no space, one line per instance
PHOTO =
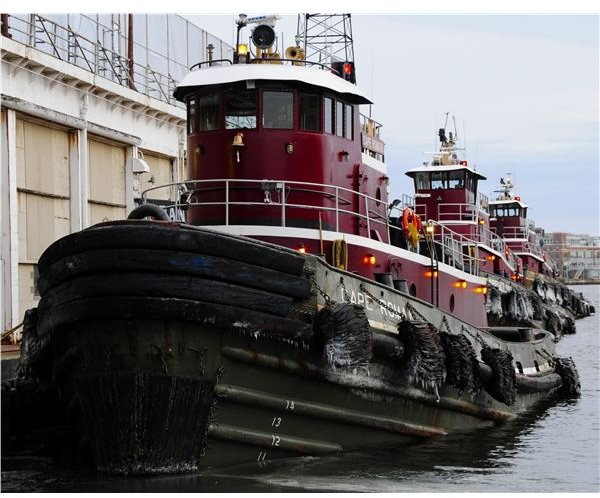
445,322
477,337
322,292
382,303
415,311
345,292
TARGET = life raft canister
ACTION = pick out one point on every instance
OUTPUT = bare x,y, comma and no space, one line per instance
411,224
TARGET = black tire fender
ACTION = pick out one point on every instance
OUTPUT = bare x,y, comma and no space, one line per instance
148,210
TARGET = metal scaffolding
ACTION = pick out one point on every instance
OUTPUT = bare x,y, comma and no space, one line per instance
326,37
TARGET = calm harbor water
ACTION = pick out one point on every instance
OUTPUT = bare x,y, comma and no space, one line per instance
555,448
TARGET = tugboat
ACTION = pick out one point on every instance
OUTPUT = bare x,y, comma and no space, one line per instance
509,221
285,307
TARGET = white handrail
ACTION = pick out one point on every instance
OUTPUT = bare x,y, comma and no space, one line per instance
456,248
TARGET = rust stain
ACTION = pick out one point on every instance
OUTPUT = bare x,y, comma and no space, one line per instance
73,138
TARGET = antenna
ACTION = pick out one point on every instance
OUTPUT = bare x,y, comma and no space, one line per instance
446,122
455,130
465,140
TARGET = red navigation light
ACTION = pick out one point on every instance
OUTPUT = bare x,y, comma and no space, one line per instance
463,163
369,259
345,70
348,72
517,197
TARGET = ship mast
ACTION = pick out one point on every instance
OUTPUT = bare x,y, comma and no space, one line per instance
326,38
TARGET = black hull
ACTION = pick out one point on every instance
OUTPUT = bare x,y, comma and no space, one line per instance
193,349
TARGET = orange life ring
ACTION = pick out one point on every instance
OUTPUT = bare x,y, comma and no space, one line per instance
409,225
419,223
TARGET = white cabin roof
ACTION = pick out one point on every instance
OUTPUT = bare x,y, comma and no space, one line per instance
500,202
433,169
221,75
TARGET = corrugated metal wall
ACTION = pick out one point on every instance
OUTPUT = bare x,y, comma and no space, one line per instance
43,197
106,181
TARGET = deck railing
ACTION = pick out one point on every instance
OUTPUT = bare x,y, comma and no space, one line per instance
452,248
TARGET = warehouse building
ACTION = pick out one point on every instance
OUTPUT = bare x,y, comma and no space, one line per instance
88,123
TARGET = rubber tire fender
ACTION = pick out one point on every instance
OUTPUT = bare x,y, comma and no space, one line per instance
148,210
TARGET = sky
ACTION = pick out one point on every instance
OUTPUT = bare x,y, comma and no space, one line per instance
523,88
522,82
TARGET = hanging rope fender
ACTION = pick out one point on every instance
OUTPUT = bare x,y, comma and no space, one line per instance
502,385
462,366
571,386
342,332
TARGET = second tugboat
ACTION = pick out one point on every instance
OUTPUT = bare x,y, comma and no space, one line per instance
286,307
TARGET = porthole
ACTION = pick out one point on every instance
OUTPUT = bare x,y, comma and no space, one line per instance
451,302
413,290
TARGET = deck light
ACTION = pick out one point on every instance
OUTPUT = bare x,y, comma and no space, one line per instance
429,228
369,259
491,258
302,249
460,284
242,53
481,221
431,273
482,289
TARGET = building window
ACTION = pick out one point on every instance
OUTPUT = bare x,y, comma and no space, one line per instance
328,115
349,122
310,112
208,112
339,118
191,116
278,110
240,109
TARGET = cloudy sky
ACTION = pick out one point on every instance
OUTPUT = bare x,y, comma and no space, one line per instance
524,90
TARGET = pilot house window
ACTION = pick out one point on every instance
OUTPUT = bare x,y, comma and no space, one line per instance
278,110
310,112
240,109
349,129
339,118
329,118
448,180
208,112
191,116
